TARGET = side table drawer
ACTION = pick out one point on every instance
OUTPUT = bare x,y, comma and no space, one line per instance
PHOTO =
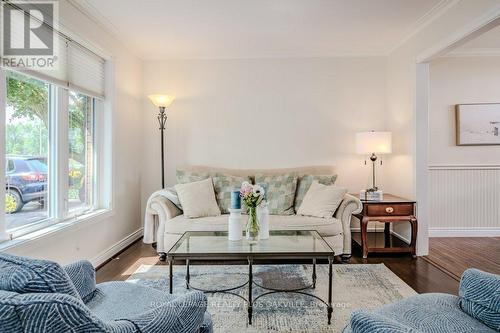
388,209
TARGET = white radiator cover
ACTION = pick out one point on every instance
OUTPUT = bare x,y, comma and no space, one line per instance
464,200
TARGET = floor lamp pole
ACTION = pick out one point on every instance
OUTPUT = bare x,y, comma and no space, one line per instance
162,120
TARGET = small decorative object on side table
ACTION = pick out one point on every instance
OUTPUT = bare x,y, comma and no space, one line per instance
392,209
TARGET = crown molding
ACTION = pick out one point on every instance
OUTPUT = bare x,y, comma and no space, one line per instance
475,52
94,15
477,27
434,13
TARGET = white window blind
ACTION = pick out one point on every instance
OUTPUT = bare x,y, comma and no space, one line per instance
76,67
85,70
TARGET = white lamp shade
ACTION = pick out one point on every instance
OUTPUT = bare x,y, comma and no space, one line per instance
161,100
374,142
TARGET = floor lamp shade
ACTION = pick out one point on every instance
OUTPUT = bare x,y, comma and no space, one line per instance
161,100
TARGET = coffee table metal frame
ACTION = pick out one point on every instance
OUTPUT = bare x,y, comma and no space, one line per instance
251,258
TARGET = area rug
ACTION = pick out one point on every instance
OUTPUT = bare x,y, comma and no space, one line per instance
354,287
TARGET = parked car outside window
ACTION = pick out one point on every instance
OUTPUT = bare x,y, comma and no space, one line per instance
26,181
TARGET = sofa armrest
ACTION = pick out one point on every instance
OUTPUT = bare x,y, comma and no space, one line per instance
163,205
350,205
82,274
184,314
480,296
371,322
159,209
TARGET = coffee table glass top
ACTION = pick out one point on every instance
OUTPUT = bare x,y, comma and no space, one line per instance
209,243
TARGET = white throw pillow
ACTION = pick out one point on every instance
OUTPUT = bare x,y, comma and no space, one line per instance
198,198
321,200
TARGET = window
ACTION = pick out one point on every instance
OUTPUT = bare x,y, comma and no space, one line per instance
53,141
26,149
81,151
36,117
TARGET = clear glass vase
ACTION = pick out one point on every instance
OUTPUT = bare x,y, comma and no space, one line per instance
252,228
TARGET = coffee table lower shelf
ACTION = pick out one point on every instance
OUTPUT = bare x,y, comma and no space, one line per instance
250,283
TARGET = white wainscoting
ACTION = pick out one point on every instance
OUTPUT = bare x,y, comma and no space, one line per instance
464,200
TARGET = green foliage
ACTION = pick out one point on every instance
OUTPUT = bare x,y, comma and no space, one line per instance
29,98
78,106
26,138
10,204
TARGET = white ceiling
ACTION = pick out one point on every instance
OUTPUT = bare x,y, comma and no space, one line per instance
160,29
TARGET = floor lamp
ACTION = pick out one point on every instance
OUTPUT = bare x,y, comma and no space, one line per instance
162,102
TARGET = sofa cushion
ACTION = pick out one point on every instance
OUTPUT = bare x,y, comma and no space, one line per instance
280,192
480,296
112,300
198,198
305,181
188,176
224,185
9,319
26,275
326,227
432,312
321,200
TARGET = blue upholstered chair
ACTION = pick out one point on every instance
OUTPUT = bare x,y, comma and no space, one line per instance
41,296
476,309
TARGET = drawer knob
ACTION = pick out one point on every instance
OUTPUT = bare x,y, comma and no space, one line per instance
389,210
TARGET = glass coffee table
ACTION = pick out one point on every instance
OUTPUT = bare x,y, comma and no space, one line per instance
214,246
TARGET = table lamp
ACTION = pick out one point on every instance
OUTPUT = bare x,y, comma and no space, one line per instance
373,143
162,101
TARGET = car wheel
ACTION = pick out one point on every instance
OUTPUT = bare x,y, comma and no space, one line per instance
13,201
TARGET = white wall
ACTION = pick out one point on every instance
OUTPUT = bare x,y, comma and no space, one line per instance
464,179
461,19
91,239
264,113
460,80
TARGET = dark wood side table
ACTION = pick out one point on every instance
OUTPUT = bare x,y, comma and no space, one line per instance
392,209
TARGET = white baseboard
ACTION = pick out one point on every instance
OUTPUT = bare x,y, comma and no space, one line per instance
102,257
464,232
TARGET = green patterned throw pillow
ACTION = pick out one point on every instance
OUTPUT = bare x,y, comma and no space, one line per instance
224,185
280,192
186,176
305,182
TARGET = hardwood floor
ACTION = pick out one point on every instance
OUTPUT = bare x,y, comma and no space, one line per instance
416,272
454,255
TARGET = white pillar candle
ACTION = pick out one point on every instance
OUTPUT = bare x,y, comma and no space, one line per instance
263,214
234,227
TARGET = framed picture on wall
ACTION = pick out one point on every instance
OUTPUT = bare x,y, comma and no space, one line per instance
478,124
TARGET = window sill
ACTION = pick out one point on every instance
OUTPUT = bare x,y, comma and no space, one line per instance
92,217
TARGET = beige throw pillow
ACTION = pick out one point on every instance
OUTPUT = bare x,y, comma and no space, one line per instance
321,200
198,198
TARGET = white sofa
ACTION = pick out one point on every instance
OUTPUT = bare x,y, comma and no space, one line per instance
165,224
